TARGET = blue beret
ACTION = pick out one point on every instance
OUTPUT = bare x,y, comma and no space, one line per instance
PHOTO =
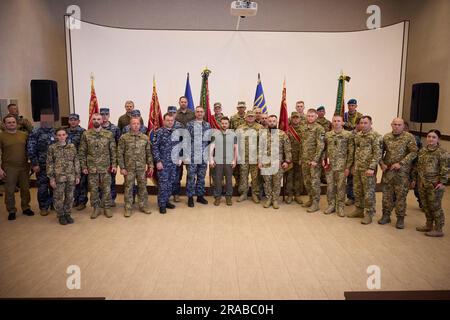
74,116
171,109
135,113
104,110
321,108
352,101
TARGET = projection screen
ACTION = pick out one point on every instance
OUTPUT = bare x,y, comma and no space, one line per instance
124,62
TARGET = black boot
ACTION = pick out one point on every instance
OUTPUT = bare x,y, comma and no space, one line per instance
385,219
162,210
62,220
400,223
170,205
202,200
12,216
69,219
28,212
191,202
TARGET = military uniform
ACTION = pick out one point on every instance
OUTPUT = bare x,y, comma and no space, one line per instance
248,146
162,152
115,130
124,120
185,117
81,189
236,121
98,155
368,148
294,184
432,168
38,143
339,152
272,172
312,148
134,154
325,123
143,129
63,166
350,120
400,149
23,124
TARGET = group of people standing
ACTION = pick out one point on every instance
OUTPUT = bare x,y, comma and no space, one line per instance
346,151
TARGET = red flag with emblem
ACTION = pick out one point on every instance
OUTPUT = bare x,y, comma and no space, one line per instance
93,104
155,120
284,119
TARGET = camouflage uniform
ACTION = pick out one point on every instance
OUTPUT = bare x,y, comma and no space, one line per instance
350,120
236,121
124,120
368,147
98,155
198,165
401,149
432,168
302,119
339,151
162,152
272,180
325,123
115,130
38,143
143,129
294,183
245,167
312,148
63,165
81,189
134,154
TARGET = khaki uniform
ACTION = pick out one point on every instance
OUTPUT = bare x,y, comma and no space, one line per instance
295,184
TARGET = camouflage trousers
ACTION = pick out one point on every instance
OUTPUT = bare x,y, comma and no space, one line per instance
141,178
272,185
311,177
294,183
167,177
45,192
431,200
244,170
395,188
364,189
196,180
63,196
100,181
237,175
336,188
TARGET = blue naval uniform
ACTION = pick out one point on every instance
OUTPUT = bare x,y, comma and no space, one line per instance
37,147
197,171
81,189
116,134
162,152
177,184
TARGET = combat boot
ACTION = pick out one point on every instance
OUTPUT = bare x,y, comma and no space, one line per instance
191,202
307,203
62,220
145,210
128,213
349,202
385,219
330,209
69,219
367,219
298,199
107,212
267,203
228,200
275,204
162,210
340,212
427,227
202,200
289,199
437,232
400,223
217,201
357,213
80,207
171,205
97,211
28,212
44,212
314,207
243,197
255,198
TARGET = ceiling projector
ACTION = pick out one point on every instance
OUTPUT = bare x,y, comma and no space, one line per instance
244,8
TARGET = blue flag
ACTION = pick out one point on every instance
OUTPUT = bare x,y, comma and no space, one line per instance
188,94
260,101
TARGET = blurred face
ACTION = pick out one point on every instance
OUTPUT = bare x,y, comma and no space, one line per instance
432,139
366,124
337,122
183,103
14,110
168,121
105,118
321,113
129,106
311,117
97,121
135,124
61,135
352,108
264,118
295,120
250,119
199,113
241,110
217,110
10,124
258,113
224,124
47,120
300,106
272,122
397,126
73,123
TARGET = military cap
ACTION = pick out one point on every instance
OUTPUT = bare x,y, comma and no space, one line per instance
321,108
352,101
74,116
241,104
104,110
250,114
295,114
217,104
135,113
171,109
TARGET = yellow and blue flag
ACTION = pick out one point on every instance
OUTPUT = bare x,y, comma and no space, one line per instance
260,101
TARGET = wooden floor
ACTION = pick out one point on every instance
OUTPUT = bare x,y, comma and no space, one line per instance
238,252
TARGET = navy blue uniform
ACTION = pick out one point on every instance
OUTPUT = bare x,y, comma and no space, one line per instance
38,142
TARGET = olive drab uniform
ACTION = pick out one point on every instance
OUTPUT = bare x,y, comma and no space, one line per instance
80,195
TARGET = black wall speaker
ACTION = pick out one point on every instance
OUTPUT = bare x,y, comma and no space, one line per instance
44,95
424,102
